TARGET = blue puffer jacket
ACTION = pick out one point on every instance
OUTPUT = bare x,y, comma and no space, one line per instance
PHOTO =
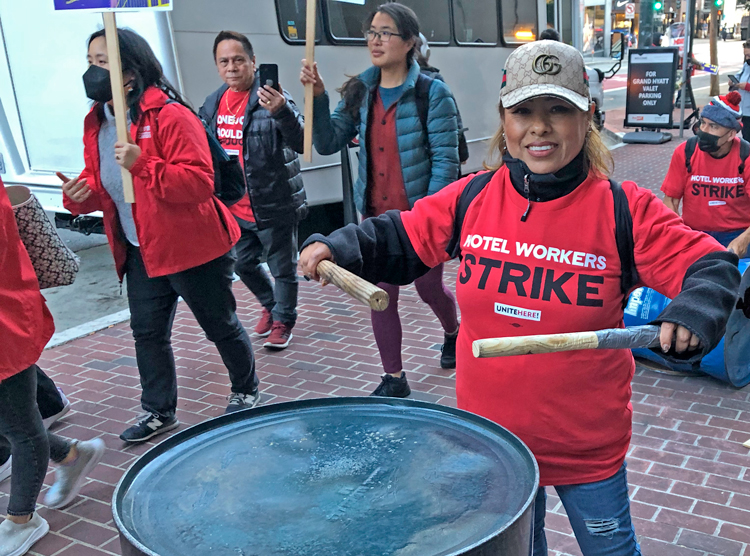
425,170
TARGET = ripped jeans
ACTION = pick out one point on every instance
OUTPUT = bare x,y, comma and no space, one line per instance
599,514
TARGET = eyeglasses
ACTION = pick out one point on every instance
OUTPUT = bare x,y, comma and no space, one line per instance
382,36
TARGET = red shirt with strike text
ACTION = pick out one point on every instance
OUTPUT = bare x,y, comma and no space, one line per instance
557,272
230,121
386,189
714,196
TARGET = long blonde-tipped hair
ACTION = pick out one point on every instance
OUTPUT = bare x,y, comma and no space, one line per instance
596,156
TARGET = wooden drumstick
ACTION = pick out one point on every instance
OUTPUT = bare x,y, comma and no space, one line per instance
613,338
358,288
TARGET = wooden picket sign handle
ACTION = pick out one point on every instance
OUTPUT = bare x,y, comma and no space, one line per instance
526,345
359,289
747,444
118,96
310,57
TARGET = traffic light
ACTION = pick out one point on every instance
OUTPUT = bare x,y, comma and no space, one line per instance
658,5
719,3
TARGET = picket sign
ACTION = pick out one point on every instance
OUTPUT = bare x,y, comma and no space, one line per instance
310,57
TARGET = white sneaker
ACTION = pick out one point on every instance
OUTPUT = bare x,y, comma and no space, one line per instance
5,469
70,478
16,540
49,421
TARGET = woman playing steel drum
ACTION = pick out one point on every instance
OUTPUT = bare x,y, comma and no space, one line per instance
544,245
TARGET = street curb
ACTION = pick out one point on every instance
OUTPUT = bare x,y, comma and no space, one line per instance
87,328
107,321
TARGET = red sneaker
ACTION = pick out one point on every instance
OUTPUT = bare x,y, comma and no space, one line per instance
265,324
281,335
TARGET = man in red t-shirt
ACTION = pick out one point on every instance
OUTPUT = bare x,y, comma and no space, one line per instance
262,126
713,187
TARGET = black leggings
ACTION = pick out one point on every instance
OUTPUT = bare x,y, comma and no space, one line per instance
32,447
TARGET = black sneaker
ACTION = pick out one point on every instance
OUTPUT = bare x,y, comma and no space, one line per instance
392,387
238,402
148,426
448,351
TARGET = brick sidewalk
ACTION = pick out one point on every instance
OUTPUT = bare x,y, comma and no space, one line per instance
689,474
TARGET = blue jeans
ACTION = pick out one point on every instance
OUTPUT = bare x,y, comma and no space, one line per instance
725,238
22,431
599,514
280,242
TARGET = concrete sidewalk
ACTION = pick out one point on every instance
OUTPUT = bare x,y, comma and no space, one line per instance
688,471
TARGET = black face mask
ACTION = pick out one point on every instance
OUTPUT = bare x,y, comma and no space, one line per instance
747,60
97,84
709,143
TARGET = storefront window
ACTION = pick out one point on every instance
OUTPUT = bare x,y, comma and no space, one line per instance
519,21
593,31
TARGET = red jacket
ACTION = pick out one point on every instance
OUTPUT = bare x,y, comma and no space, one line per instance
179,222
26,324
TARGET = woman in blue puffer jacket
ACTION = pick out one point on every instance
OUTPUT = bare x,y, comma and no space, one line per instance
399,161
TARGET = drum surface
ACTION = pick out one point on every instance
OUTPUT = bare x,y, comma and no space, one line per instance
345,476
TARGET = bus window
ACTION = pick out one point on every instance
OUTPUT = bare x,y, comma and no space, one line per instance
475,21
434,19
519,21
292,18
346,17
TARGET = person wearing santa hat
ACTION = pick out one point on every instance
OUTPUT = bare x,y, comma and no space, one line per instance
711,180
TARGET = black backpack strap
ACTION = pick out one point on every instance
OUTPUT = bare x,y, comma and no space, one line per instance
624,239
472,189
422,98
744,153
689,150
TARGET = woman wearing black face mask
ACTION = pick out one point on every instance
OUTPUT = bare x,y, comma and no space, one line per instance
175,240
713,181
743,87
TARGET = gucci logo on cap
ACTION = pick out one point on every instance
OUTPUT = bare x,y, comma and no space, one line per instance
546,64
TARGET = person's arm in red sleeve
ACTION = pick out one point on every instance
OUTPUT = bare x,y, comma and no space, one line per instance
397,247
675,180
185,174
93,202
688,266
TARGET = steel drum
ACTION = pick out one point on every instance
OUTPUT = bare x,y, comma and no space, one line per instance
342,476
729,361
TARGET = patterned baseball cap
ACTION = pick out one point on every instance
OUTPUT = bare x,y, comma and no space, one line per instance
545,68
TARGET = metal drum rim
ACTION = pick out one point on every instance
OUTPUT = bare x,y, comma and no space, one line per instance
222,420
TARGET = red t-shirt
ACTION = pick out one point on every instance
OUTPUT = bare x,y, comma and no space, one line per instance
386,189
714,197
557,272
230,121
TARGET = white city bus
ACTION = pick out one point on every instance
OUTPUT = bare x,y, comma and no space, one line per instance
42,101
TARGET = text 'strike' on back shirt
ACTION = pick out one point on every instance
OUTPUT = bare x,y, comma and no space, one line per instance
557,272
714,196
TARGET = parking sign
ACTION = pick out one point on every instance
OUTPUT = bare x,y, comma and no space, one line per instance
629,11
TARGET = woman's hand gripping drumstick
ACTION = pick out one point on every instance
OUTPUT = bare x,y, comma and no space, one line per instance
647,336
316,263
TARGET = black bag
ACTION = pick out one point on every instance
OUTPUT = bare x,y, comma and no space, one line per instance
229,177
422,98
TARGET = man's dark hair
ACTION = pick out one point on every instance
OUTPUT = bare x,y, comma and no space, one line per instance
138,59
234,36
746,44
549,34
